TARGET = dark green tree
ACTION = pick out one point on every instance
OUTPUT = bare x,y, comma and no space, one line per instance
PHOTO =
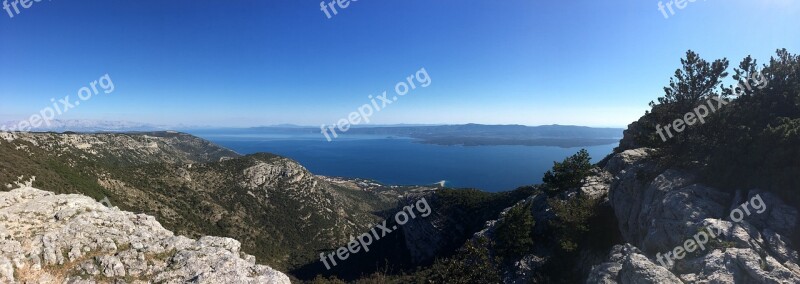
694,83
572,219
568,173
514,234
697,80
472,264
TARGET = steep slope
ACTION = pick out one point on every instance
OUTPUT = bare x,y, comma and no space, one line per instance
47,238
272,204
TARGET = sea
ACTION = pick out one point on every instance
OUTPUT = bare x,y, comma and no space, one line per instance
406,161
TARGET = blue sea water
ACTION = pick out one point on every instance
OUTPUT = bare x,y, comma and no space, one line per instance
403,161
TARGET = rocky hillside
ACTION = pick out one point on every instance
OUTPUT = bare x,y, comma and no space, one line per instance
49,238
281,213
121,149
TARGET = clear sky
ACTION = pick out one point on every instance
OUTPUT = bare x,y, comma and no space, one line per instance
249,63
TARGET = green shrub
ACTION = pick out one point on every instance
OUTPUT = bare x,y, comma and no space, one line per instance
568,173
572,220
472,264
514,234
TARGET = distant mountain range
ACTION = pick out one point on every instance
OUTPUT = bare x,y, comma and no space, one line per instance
479,134
465,134
88,125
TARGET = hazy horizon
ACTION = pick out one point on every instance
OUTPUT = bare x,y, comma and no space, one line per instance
85,122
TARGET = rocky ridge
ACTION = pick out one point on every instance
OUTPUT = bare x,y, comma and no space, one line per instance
122,148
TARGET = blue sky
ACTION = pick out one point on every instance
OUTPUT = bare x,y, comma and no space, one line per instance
249,63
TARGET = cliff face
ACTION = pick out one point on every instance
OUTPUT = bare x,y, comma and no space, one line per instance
660,211
425,238
48,238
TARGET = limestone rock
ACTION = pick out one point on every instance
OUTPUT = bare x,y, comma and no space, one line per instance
659,211
626,265
48,238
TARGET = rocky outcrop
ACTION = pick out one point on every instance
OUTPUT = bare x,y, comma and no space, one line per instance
659,211
48,238
628,265
596,184
278,171
622,161
733,265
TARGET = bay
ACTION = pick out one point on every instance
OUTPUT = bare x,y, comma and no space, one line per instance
406,161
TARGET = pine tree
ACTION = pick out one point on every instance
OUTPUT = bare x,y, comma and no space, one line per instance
569,173
514,234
